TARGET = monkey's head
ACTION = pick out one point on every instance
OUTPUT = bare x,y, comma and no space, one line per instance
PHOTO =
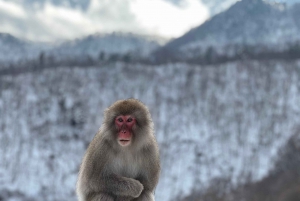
129,121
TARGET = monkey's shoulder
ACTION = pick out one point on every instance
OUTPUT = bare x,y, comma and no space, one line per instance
151,150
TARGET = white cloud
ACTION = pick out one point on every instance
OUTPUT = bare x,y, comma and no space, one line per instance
12,9
113,15
164,18
61,22
50,22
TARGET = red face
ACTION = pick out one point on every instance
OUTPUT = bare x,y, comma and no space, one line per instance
125,124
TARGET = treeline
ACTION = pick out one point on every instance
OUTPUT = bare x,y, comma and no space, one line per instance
207,56
45,60
213,55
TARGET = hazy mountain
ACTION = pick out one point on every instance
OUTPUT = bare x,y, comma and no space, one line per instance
14,49
106,46
81,4
248,22
288,2
217,6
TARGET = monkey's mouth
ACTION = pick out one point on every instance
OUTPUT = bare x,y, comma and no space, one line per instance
124,142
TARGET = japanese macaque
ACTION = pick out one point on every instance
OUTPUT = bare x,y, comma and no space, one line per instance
291,195
122,161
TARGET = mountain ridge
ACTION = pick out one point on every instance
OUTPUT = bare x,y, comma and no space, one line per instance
15,50
248,22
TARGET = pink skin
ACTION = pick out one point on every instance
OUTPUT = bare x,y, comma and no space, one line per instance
124,124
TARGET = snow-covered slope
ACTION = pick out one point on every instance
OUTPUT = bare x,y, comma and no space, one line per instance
255,23
212,121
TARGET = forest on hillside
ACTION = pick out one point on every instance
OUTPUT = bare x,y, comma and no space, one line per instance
221,128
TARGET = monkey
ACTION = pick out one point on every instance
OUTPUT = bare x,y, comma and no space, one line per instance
291,195
122,161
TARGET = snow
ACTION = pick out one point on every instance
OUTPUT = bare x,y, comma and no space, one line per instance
260,25
225,121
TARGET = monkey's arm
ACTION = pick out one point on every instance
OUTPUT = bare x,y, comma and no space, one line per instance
149,181
102,179
121,186
112,184
150,176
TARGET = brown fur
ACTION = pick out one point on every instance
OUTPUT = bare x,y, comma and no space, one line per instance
110,172
291,195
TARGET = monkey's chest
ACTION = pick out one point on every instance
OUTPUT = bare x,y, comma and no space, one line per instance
126,166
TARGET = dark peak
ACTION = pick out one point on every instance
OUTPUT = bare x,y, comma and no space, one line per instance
253,1
251,8
250,3
268,3
10,39
7,36
246,20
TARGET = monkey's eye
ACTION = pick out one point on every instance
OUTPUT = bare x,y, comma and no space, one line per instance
129,120
120,119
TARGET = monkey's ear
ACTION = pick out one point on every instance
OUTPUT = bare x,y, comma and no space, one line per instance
143,117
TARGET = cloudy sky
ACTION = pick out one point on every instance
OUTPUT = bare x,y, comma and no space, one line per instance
52,20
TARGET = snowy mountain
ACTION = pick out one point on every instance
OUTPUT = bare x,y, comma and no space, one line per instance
217,6
96,47
255,23
82,4
13,49
212,122
251,26
108,44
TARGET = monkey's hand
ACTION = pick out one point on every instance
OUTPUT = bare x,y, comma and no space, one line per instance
145,196
135,187
123,186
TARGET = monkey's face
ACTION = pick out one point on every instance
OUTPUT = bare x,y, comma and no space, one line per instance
125,125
